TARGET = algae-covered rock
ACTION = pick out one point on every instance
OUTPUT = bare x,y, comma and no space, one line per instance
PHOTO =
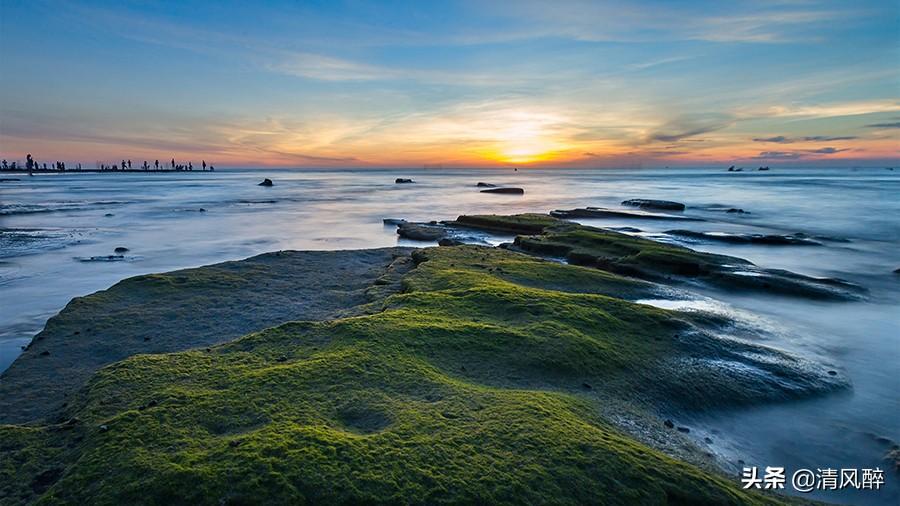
158,313
466,387
635,256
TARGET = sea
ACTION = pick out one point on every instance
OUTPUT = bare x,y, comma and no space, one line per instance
59,234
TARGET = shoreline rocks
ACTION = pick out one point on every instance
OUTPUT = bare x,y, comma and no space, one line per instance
266,182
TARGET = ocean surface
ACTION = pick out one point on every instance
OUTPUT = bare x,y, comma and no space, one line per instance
57,231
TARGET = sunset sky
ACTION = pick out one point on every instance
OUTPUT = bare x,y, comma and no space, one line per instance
463,84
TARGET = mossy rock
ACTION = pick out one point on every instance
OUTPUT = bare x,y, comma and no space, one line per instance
467,387
651,260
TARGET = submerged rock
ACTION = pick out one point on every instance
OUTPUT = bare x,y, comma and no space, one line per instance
736,210
393,221
768,239
401,180
266,182
121,249
485,185
510,191
664,205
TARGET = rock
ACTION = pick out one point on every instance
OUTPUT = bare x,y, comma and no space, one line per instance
707,440
684,430
401,180
393,221
763,168
121,249
104,428
449,242
897,270
45,353
600,212
664,205
832,373
509,191
586,386
893,457
737,210
109,214
631,230
266,182
769,239
485,185
669,424
421,232
204,210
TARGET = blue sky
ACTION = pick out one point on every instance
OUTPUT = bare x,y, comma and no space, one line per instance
566,83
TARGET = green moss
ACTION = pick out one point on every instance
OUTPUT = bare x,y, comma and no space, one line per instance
481,383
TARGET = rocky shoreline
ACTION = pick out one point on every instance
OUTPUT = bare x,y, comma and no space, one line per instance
447,374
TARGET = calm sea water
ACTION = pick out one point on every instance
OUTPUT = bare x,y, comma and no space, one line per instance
52,226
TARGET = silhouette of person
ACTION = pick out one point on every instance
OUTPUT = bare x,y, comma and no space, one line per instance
129,164
173,163
5,165
204,164
190,166
29,162
156,164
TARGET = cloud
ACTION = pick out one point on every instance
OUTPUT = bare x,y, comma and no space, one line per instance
796,155
778,155
827,151
689,126
780,139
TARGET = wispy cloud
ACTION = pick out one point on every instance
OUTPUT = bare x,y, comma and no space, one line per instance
781,139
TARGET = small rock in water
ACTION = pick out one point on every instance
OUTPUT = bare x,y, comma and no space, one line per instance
401,180
737,210
202,210
897,270
121,249
510,191
266,182
832,373
587,386
485,185
393,221
707,440
109,214
669,424
684,429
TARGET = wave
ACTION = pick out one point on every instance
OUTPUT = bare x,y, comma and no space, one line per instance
20,208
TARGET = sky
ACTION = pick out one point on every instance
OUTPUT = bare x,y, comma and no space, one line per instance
481,83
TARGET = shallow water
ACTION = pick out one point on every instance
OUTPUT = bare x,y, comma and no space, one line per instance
58,231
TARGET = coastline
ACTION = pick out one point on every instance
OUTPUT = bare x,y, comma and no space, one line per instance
456,273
